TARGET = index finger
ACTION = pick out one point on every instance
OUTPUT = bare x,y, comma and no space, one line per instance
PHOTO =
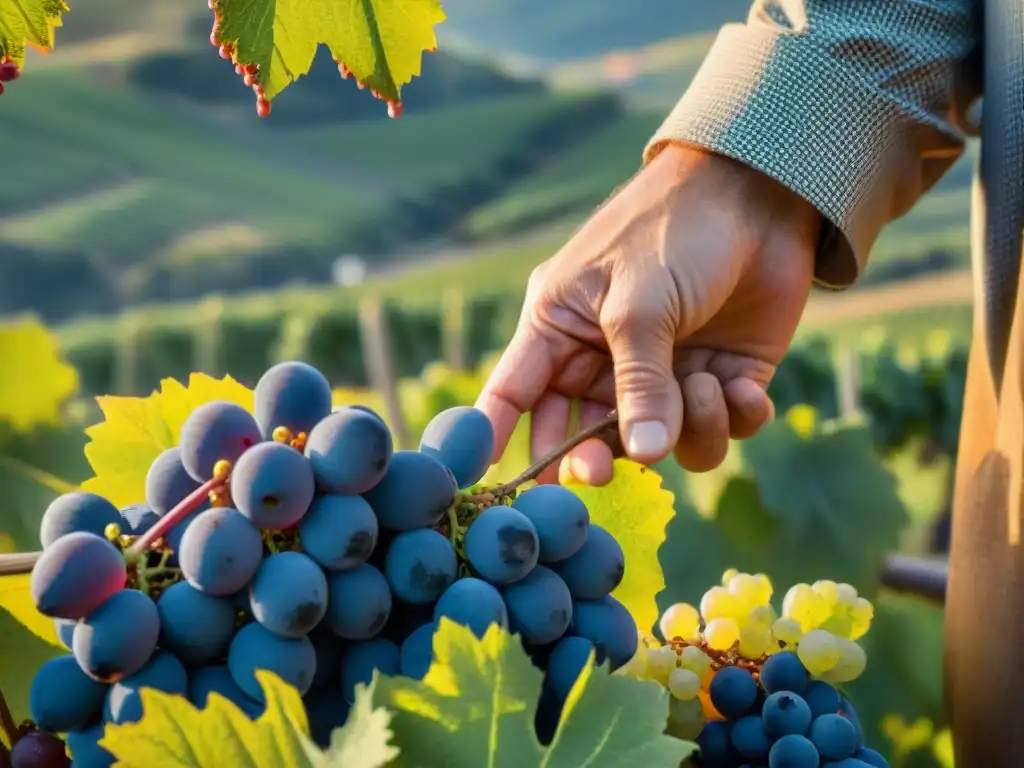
520,378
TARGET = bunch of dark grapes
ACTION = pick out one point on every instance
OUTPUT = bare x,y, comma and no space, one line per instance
780,718
295,539
9,72
250,73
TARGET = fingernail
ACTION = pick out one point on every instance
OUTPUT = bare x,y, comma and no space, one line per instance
704,392
647,438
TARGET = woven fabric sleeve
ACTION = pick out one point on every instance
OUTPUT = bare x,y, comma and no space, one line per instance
855,105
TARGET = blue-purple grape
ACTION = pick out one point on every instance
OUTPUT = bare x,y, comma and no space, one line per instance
750,738
288,595
714,741
163,673
417,652
539,606
255,648
560,517
462,439
77,512
63,698
272,485
86,752
118,638
821,698
217,679
194,626
329,649
139,518
502,545
793,751
75,575
293,395
362,659
785,672
733,691
416,492
566,662
609,626
833,736
327,711
168,483
472,603
339,532
35,749
596,569
784,713
420,565
350,451
220,552
213,432
359,602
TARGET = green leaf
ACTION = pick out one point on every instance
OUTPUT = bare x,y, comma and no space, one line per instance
365,739
477,704
839,509
175,734
635,509
28,21
35,382
380,41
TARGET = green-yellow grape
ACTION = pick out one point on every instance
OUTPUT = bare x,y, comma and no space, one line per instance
728,576
722,633
806,606
718,603
683,684
818,651
851,665
661,662
847,594
680,620
839,624
827,590
787,630
755,641
695,660
685,718
762,615
861,615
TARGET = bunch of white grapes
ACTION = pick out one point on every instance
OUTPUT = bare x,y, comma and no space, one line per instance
736,625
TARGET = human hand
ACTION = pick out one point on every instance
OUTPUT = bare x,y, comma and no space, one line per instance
675,302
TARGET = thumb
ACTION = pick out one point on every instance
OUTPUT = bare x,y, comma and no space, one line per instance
641,335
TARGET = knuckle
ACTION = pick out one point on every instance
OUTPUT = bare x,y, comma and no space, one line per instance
641,377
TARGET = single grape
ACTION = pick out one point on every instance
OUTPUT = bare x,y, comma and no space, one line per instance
834,736
288,596
163,672
38,749
216,678
462,439
818,651
9,71
733,692
722,633
63,698
220,552
350,451
119,637
83,744
715,741
793,751
784,672
339,532
416,492
272,485
136,519
417,652
755,641
568,659
77,511
329,649
363,408
851,665
216,431
195,627
420,565
292,395
75,575
362,659
561,519
607,624
785,713
787,632
539,606
686,718
359,602
175,535
65,631
719,603
683,683
821,697
327,710
596,569
502,545
255,648
168,483
681,620
750,738
871,757
695,660
472,603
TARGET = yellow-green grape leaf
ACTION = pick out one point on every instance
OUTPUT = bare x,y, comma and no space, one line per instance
35,381
635,509
174,734
16,599
477,704
365,739
27,641
28,21
136,430
381,42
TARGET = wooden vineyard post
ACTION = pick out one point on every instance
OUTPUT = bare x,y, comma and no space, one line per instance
453,327
208,335
380,366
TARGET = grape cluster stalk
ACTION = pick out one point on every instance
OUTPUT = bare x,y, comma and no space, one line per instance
296,539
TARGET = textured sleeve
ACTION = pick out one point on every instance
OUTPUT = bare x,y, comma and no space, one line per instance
855,105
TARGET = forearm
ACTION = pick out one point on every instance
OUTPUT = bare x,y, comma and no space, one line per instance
855,105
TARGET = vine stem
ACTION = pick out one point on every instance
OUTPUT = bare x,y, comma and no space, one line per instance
183,509
606,430
7,722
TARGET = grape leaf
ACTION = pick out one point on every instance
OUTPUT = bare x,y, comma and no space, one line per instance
28,21
635,509
174,733
136,430
36,382
477,704
380,41
27,641
16,599
365,739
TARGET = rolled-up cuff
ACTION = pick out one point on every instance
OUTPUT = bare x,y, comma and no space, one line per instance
776,101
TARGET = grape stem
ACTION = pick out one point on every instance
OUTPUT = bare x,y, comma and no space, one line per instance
183,509
7,723
606,430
